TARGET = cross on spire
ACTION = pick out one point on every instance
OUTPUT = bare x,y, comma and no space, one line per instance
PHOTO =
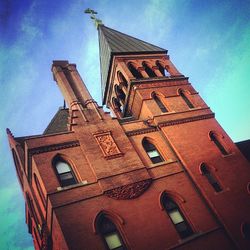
93,14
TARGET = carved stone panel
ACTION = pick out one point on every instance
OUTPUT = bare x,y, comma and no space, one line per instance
107,144
129,191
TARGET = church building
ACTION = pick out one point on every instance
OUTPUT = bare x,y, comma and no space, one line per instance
160,173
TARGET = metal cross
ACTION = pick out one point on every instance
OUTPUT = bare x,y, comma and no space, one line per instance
93,14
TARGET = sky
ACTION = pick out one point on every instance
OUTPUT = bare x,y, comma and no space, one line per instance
208,41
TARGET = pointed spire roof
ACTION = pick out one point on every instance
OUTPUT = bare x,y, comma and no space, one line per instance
112,42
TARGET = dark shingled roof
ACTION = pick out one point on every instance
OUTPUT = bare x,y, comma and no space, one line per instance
58,123
112,42
244,147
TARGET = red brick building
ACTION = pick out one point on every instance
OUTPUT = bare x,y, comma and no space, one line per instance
162,174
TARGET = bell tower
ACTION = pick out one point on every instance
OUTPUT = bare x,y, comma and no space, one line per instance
161,174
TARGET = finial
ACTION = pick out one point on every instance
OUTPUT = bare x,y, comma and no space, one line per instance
93,14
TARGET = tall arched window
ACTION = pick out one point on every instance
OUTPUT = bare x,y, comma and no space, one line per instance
110,234
176,216
116,104
162,69
216,141
134,71
159,103
148,70
64,172
186,100
119,93
211,179
245,229
122,80
152,151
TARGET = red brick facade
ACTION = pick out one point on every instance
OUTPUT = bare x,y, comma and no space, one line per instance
164,173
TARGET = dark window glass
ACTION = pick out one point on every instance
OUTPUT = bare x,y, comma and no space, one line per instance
119,93
64,173
211,179
186,100
148,70
110,234
159,103
218,144
152,152
176,216
134,71
122,79
246,230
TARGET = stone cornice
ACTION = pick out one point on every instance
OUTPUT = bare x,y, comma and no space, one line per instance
53,147
185,120
141,131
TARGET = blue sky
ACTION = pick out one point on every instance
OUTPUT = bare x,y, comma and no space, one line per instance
209,41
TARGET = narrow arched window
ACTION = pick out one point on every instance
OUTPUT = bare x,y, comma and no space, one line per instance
64,172
110,234
211,179
134,71
39,190
216,141
31,208
148,70
186,100
162,69
122,80
152,151
116,104
119,93
159,103
176,216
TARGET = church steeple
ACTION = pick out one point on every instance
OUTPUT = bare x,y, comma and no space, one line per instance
123,60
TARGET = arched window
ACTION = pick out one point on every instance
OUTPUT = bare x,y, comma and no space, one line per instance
159,103
152,151
39,190
122,80
211,179
176,216
186,100
148,70
162,69
134,71
31,208
119,93
64,172
110,234
116,104
216,141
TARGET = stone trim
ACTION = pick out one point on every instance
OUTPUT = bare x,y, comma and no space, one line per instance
54,147
185,120
141,131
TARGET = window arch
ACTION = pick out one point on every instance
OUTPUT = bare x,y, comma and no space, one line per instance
217,142
152,151
148,70
116,104
162,69
39,190
134,71
109,233
160,104
210,177
64,172
122,80
186,100
176,216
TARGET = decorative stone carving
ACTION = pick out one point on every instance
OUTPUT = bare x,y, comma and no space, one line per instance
107,144
129,191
